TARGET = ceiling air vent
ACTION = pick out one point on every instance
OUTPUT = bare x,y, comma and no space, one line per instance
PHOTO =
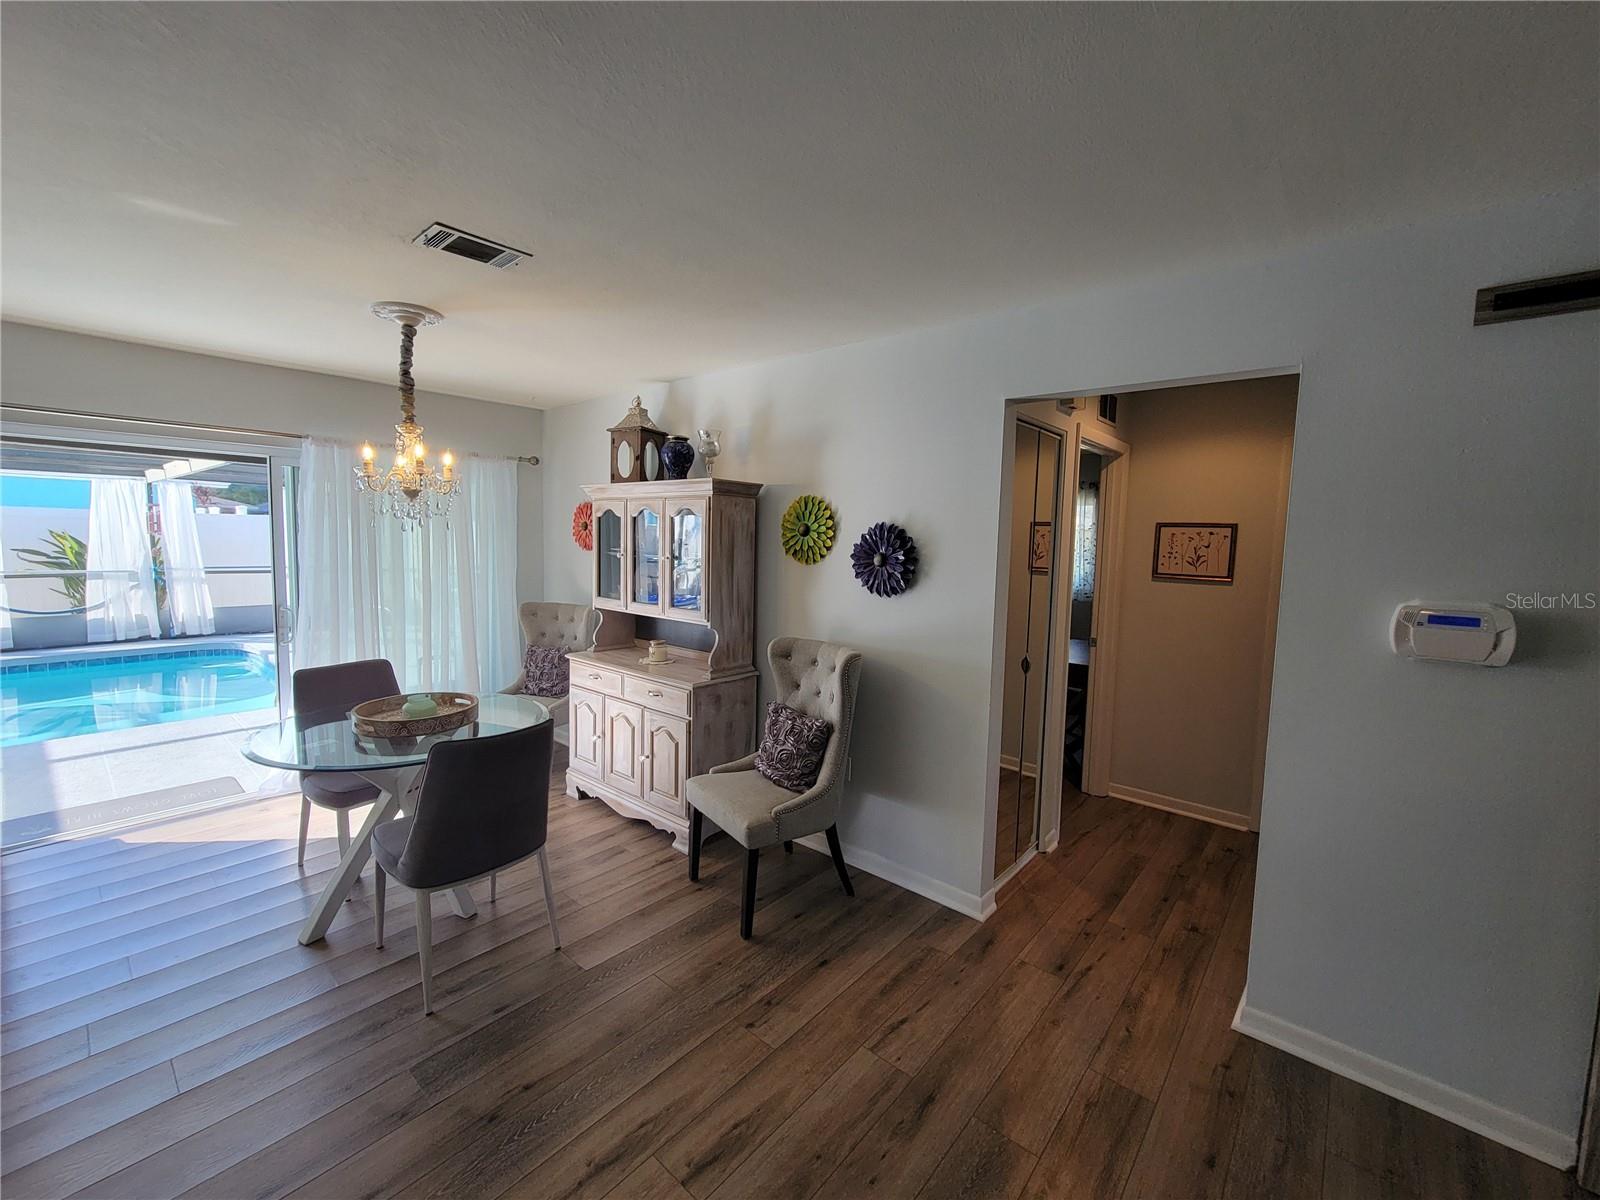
469,245
1538,298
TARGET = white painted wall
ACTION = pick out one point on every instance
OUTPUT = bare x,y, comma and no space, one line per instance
49,368
1426,891
1193,660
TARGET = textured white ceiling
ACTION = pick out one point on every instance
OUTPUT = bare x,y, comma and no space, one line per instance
706,185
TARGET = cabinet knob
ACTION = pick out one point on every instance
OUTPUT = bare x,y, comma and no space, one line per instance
657,695
592,675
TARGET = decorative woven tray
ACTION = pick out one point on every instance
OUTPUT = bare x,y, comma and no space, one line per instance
384,718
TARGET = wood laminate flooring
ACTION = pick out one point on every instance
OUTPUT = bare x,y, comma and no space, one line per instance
165,1035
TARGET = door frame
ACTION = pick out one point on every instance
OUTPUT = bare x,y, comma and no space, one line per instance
283,497
1104,622
1102,657
1011,405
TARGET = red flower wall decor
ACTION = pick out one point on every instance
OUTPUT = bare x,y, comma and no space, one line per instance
583,525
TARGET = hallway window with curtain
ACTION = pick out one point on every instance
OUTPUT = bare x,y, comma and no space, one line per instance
1085,525
438,601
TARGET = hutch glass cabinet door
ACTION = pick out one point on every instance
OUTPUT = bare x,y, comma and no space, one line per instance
688,531
608,555
644,561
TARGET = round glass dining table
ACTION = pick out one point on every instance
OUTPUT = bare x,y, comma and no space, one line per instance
327,742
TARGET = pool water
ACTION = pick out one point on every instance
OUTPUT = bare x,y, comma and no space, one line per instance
73,696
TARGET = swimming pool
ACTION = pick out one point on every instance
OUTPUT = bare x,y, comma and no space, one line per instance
71,695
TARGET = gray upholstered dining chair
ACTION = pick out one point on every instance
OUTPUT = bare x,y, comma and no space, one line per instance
562,626
328,694
484,806
819,679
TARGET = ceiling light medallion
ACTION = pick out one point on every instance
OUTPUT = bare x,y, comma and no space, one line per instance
411,489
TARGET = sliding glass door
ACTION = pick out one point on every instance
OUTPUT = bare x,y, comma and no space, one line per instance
283,472
149,595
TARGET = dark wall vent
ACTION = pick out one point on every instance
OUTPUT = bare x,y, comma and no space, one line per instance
1538,298
1108,408
469,245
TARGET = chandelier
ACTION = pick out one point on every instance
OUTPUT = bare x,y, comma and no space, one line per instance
410,489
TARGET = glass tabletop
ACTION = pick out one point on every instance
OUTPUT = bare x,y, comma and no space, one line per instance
318,743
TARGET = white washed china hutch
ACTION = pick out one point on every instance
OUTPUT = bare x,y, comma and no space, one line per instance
673,561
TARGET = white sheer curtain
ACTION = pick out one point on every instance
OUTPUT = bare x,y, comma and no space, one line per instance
1086,532
188,595
490,499
121,590
439,602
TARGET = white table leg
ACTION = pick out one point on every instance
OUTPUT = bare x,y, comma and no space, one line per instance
461,900
392,788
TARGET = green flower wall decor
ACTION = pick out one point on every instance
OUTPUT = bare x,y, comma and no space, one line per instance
808,529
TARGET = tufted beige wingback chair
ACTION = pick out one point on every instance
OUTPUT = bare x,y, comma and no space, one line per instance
819,679
569,626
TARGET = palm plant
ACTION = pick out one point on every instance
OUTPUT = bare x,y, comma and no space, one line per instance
67,552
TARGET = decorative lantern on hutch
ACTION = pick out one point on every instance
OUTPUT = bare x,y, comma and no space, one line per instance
636,446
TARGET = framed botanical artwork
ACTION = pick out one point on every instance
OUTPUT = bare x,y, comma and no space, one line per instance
1041,547
1194,553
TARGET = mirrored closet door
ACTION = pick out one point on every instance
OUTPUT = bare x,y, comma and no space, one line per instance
1035,504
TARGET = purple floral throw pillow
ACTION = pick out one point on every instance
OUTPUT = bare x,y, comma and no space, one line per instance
792,746
544,671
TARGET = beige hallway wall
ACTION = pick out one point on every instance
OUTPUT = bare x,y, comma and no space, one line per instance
1193,660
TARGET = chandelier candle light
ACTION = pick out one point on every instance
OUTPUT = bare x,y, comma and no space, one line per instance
410,489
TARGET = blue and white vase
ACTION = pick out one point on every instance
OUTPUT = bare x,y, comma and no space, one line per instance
677,456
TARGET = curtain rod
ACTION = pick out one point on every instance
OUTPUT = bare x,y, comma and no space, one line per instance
531,460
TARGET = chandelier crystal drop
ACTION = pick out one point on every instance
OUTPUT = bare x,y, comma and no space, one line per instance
411,489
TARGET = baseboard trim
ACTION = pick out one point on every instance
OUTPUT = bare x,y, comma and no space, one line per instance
1470,1112
1172,804
968,904
1008,762
1014,869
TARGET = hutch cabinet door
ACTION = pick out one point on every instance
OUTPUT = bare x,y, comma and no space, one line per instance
584,711
666,760
686,549
645,557
624,746
584,730
610,562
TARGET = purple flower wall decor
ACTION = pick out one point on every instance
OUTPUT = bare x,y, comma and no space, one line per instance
885,559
